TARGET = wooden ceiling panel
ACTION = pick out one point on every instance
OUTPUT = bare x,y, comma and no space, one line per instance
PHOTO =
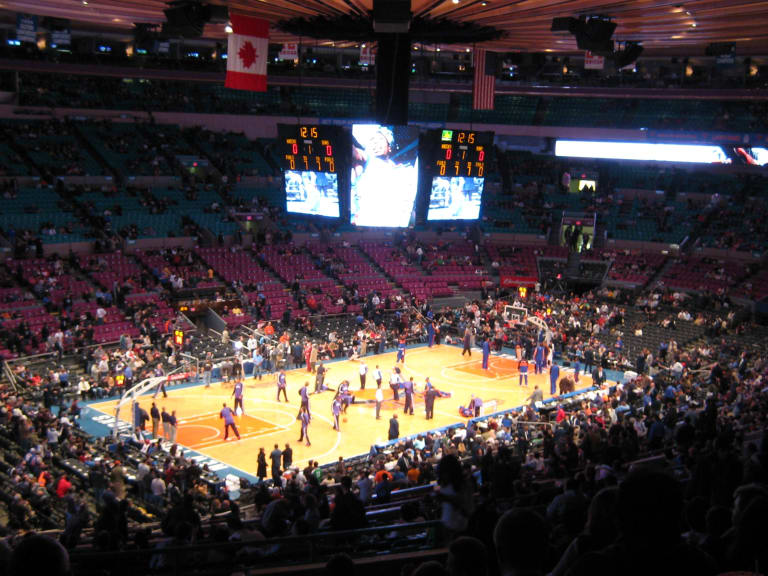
666,25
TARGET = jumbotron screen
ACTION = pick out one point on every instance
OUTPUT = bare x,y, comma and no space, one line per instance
455,198
315,193
384,175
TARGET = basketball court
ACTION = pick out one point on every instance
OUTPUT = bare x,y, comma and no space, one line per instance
267,422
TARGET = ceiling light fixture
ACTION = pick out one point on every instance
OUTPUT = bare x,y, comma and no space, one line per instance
228,28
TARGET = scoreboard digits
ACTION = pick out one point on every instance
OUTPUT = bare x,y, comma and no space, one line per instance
462,153
307,147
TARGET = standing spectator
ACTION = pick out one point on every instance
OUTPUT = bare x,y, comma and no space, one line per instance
394,428
155,415
261,465
166,419
363,373
455,495
173,423
208,369
379,400
276,457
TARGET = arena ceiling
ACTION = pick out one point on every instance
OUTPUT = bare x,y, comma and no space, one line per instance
663,26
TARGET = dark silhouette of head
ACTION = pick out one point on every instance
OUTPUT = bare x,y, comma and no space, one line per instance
520,538
38,554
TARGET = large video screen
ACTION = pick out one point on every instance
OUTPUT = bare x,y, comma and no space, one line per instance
455,198
385,174
315,193
642,151
751,156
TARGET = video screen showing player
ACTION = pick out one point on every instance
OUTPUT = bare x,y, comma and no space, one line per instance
315,193
385,175
455,198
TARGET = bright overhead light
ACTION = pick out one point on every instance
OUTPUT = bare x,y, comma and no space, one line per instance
85,2
455,1
693,24
467,50
228,28
438,49
363,45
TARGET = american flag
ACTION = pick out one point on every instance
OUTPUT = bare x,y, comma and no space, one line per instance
484,87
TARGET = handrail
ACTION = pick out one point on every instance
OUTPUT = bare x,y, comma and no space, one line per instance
290,542
197,361
527,423
44,354
259,333
10,375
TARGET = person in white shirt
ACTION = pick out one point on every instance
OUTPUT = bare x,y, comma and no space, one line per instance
157,487
52,437
377,375
141,471
83,387
640,429
394,383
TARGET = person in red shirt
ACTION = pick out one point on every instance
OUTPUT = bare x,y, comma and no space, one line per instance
63,487
560,415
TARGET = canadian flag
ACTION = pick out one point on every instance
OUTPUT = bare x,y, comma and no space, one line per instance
247,54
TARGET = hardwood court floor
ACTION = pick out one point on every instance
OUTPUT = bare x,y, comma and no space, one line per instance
267,421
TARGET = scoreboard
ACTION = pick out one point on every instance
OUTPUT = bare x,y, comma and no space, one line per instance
460,153
310,148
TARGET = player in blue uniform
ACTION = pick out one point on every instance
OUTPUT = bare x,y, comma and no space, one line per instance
238,394
336,411
282,385
554,374
523,368
304,393
539,358
305,419
401,350
408,389
229,421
